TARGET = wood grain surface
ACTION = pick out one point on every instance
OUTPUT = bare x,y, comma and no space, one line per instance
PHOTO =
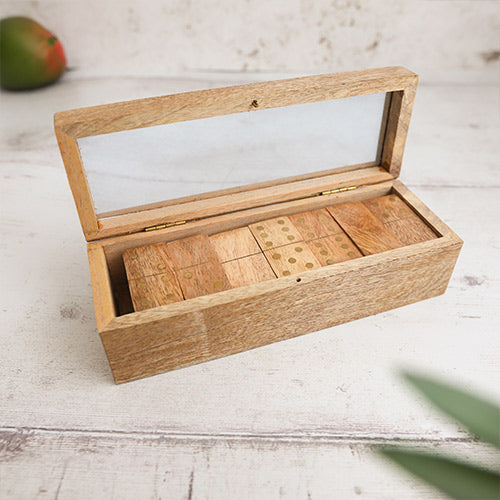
291,259
291,245
289,419
77,123
315,224
203,279
114,247
333,249
388,208
147,261
235,244
153,291
248,270
274,233
220,324
86,464
214,102
410,230
367,232
192,251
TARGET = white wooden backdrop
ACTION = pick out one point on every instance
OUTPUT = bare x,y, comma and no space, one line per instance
442,40
297,419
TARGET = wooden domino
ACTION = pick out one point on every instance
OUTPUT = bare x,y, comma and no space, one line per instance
410,230
191,251
291,259
333,249
400,219
200,265
367,232
248,270
315,224
154,291
234,244
203,279
388,208
147,261
275,233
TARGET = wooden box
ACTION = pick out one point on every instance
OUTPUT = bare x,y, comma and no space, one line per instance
220,323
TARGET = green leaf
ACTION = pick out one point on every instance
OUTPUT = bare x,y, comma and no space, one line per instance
456,479
479,416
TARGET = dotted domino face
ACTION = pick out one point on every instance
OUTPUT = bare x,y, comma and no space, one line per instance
333,249
291,259
389,208
315,224
165,273
204,279
154,291
275,233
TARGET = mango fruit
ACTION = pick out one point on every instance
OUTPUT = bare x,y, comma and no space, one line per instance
30,55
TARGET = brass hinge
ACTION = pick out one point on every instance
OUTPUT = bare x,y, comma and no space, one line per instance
163,226
339,190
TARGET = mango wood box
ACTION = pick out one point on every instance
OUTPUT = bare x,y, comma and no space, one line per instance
271,155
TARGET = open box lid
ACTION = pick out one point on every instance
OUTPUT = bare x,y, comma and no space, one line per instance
137,165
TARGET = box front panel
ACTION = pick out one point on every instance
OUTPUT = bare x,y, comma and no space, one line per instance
295,306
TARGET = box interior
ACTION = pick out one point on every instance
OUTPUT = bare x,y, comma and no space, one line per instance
114,248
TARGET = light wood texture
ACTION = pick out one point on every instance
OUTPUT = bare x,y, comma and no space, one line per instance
400,219
368,233
248,270
275,233
304,415
364,228
410,230
439,227
178,310
191,251
114,247
82,464
234,244
333,249
151,278
101,286
224,323
196,265
203,279
197,262
238,249
154,291
315,224
239,189
389,208
78,184
215,102
398,122
147,261
245,199
88,464
197,258
202,104
291,259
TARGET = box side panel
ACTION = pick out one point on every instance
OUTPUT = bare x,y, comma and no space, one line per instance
317,301
101,286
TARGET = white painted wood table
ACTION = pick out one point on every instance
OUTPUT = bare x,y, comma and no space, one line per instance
297,419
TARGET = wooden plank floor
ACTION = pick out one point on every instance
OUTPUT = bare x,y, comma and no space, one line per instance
297,419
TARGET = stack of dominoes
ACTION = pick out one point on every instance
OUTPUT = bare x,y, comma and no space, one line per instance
164,273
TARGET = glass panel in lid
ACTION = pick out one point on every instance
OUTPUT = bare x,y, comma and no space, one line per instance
138,167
